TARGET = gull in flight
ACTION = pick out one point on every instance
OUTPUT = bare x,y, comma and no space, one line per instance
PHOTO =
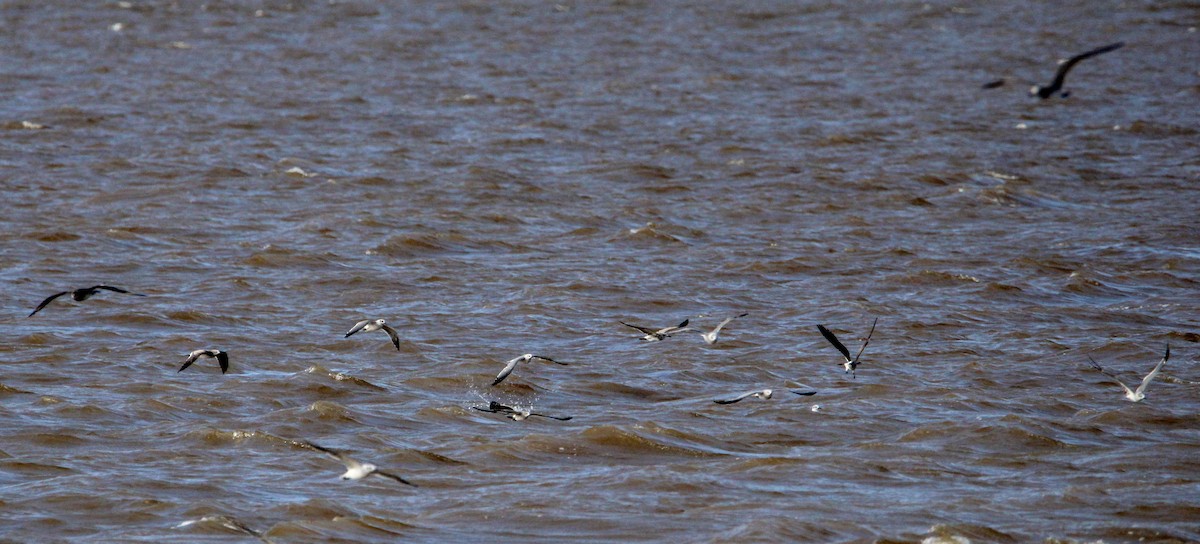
656,335
228,522
763,394
512,365
850,364
1135,395
370,325
711,336
1061,75
222,358
354,469
80,295
515,414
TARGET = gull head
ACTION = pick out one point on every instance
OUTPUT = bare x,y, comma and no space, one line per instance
1134,396
764,394
526,357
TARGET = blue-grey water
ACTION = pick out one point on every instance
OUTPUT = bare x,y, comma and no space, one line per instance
500,178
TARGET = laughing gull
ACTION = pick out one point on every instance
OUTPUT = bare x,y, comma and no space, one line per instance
1061,75
711,336
227,522
354,469
80,295
656,335
763,394
370,325
515,414
850,364
1135,395
222,358
512,365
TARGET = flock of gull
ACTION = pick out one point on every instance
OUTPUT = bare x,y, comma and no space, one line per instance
357,470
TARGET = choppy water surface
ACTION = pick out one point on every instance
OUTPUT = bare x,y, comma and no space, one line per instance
503,178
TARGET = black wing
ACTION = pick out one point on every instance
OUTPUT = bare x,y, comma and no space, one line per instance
804,393
833,340
1061,75
45,302
867,341
643,329
394,477
551,360
223,360
567,418
114,289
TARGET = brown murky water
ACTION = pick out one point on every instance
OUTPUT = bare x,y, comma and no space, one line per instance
503,178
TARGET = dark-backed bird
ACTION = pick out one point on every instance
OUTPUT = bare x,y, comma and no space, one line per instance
516,414
370,325
1135,395
512,365
1061,75
80,295
654,335
221,356
850,364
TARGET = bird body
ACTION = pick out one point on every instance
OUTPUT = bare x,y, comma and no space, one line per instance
760,394
655,335
371,325
1061,75
80,295
851,364
512,365
221,356
711,336
516,414
1135,395
355,470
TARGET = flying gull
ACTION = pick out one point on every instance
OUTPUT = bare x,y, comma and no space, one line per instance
354,469
515,414
512,365
1135,395
228,522
80,295
656,335
711,336
850,364
370,325
1057,85
763,394
222,358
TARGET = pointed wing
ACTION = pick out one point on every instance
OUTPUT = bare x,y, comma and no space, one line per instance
669,330
488,410
833,340
867,341
115,289
395,337
223,360
1112,376
567,418
551,360
309,445
643,329
1061,74
738,398
45,302
508,369
1153,373
191,358
357,327
394,477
